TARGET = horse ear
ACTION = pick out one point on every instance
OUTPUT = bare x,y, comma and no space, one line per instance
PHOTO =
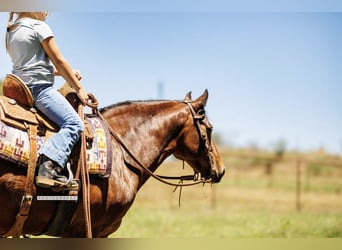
202,100
188,96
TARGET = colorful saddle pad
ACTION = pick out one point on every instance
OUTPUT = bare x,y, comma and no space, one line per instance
15,146
99,153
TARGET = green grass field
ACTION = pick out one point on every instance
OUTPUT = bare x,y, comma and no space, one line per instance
246,204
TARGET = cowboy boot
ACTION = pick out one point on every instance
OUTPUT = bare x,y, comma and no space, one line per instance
49,175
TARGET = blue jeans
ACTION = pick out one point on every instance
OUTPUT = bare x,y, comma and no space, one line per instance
56,108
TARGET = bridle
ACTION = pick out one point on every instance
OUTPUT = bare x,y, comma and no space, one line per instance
202,125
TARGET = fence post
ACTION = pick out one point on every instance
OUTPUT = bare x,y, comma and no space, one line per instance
298,184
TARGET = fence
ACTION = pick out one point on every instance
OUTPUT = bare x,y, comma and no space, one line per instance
305,172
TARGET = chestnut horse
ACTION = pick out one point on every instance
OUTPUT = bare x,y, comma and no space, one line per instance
151,131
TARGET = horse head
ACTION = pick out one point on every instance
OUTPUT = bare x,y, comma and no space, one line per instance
195,144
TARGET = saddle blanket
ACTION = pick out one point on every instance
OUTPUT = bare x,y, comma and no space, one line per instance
15,146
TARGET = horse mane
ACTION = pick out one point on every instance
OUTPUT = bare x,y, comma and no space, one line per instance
135,102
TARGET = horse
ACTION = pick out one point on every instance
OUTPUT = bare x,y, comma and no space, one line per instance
143,134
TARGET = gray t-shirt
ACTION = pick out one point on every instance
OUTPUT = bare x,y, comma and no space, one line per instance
30,62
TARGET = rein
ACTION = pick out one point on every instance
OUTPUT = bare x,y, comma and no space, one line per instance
161,178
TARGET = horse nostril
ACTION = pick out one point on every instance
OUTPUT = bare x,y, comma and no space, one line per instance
216,177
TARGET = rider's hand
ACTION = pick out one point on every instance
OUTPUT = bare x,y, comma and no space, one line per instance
82,95
78,75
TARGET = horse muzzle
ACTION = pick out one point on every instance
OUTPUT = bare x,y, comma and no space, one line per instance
216,177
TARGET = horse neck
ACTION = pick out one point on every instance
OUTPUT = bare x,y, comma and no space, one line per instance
148,129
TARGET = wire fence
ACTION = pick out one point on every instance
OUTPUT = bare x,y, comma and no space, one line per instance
301,173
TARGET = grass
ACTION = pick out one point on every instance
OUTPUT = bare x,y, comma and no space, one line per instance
210,224
237,214
246,204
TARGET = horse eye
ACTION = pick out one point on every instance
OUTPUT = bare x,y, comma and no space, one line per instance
201,112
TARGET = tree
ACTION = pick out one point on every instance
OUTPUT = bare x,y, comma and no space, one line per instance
279,148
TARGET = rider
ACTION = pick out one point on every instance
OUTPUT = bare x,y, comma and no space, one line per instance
36,60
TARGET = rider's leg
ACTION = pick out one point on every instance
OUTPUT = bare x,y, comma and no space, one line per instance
56,150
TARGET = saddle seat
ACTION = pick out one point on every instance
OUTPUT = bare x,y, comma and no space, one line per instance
16,106
15,88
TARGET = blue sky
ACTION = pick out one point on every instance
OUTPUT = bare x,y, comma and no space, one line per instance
270,75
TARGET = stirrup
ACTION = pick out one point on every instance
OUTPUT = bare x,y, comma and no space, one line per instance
70,174
72,184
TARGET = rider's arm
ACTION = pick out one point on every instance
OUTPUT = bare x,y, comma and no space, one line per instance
62,67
